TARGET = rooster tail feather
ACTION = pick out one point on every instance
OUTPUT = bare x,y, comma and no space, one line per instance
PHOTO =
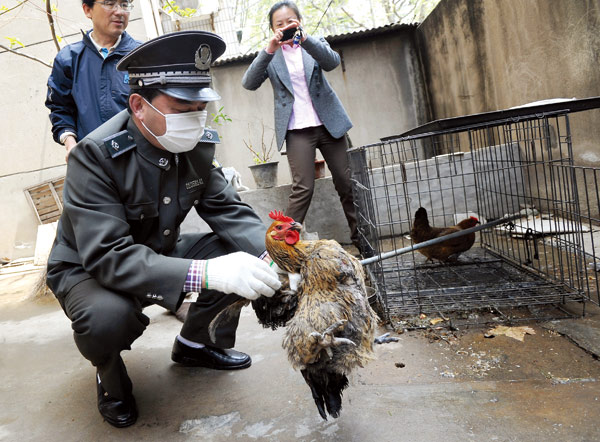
421,216
224,316
318,392
326,388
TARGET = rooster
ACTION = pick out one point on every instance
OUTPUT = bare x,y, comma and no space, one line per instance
332,329
445,251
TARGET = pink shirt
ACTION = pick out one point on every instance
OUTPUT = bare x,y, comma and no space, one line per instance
303,111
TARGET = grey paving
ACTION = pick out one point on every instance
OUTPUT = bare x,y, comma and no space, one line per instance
463,388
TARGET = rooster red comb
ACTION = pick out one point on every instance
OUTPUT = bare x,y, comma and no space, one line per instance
278,215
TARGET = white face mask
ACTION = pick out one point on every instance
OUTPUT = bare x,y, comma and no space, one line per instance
183,130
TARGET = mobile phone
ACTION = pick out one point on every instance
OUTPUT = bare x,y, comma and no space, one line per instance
288,34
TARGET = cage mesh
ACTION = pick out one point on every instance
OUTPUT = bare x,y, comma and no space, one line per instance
516,166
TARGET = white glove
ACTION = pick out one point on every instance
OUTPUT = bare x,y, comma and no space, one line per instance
242,274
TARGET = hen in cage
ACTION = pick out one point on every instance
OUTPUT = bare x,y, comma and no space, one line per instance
505,165
448,250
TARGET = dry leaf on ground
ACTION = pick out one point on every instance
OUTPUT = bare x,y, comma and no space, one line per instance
512,332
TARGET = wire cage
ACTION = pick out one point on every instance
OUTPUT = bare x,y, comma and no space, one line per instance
516,163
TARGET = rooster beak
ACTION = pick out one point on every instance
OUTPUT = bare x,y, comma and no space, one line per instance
296,226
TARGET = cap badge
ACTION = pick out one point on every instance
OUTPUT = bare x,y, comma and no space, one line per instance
114,145
203,57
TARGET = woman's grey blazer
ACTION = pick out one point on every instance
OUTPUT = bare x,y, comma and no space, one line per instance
317,56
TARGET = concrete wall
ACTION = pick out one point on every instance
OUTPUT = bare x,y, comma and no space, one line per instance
325,216
486,55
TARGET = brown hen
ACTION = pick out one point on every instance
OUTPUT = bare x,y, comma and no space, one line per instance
447,250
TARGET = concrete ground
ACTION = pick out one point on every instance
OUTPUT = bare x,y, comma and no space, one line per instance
464,387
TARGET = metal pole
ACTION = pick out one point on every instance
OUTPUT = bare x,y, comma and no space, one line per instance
441,239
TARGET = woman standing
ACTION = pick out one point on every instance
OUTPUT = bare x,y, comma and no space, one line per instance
308,113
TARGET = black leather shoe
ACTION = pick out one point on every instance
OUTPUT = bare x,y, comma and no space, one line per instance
209,357
118,413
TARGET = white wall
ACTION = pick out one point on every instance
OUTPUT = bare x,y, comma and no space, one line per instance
29,154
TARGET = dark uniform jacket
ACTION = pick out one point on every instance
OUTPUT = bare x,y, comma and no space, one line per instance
85,89
124,200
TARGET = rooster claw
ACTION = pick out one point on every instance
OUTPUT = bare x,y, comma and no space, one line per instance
326,340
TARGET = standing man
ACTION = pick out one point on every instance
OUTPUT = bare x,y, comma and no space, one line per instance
129,185
85,89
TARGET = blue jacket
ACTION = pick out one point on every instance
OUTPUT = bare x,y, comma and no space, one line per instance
84,89
317,57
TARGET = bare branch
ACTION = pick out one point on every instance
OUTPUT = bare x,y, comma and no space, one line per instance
51,22
352,18
25,55
317,7
14,7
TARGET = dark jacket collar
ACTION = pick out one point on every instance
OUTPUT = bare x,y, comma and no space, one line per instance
158,157
126,44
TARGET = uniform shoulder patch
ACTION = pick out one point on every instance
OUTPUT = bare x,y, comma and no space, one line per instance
119,143
210,136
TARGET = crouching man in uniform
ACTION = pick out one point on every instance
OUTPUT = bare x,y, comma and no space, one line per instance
130,184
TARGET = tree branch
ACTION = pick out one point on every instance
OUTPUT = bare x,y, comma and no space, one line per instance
352,18
51,22
25,55
14,7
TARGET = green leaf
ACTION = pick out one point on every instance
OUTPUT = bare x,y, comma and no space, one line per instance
14,42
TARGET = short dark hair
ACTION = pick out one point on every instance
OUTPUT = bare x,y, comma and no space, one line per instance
281,4
148,93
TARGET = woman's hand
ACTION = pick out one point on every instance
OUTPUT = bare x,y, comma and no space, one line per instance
275,41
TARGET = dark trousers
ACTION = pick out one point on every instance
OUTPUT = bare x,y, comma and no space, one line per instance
301,152
106,322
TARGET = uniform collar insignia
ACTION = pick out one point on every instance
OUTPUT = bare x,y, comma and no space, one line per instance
210,136
119,143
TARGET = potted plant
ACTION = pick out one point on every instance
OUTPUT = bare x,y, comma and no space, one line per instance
263,170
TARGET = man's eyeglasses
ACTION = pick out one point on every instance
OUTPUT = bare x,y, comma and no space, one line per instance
112,5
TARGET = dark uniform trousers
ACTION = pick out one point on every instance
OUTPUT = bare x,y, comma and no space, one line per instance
106,322
301,150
